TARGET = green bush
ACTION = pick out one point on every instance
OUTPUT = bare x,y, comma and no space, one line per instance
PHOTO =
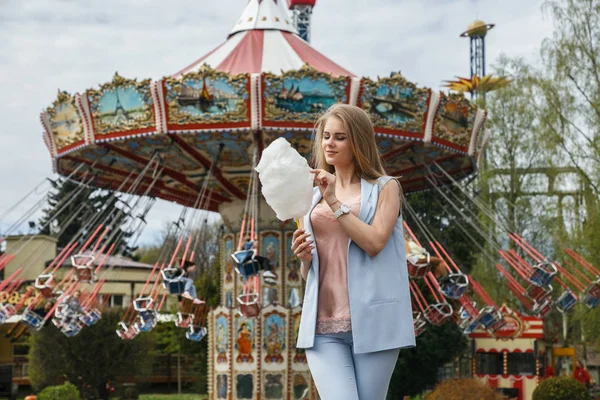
561,388
67,391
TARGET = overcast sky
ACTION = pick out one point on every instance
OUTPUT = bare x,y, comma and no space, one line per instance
73,45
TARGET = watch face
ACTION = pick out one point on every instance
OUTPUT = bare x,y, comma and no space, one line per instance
345,209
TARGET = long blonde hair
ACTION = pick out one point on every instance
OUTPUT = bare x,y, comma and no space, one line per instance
361,136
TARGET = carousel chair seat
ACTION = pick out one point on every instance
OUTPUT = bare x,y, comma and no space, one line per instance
594,288
173,280
71,329
491,319
418,261
90,317
542,308
590,301
249,306
142,304
45,284
419,323
542,274
6,311
438,313
454,285
184,320
146,321
538,293
32,319
84,270
126,332
566,301
196,333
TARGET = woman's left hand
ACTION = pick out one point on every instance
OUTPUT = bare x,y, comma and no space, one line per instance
326,184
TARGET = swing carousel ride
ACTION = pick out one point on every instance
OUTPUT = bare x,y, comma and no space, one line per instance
195,137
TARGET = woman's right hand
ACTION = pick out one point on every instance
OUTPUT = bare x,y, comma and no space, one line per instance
302,246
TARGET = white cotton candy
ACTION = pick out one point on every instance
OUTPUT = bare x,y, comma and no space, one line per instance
287,183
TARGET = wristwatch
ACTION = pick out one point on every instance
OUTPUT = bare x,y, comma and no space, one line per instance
344,209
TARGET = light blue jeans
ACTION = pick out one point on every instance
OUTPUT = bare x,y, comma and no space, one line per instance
189,287
339,374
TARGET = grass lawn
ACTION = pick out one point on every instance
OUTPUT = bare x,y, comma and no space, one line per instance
173,397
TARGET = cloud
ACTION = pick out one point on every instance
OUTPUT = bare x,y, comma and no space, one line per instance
73,45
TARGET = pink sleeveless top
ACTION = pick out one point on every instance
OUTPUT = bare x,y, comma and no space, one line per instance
333,311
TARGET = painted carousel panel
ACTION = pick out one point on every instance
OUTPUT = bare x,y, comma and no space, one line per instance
122,107
244,386
221,339
454,121
207,97
300,96
244,342
66,124
395,104
274,385
274,327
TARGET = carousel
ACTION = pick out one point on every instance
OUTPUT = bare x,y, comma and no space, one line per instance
195,138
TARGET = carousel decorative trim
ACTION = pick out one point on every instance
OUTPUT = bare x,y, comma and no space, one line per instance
310,92
395,104
121,106
84,110
207,97
159,106
355,89
434,102
255,90
48,137
210,375
65,123
453,119
477,125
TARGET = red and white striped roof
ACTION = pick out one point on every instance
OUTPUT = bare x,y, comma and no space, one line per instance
265,40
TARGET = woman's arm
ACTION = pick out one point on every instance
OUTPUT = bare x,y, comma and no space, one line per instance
304,266
373,238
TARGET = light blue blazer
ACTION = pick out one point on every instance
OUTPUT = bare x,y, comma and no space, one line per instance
380,306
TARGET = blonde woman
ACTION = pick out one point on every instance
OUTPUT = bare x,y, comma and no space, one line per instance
357,309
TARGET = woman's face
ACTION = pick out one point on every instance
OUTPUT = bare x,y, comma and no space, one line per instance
335,143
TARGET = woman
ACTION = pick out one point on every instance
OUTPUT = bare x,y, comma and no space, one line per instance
357,310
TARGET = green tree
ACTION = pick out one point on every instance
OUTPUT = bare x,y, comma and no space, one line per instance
90,359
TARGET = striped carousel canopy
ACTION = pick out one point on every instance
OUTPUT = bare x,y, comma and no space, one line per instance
264,39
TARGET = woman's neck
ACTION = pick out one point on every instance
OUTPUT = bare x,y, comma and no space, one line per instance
346,176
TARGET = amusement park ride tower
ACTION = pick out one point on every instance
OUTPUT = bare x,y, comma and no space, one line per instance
476,33
264,82
302,11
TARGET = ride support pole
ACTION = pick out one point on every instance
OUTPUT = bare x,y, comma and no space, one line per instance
582,262
8,280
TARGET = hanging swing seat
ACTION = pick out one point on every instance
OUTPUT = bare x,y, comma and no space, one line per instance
173,280
142,304
538,293
72,329
90,317
594,288
184,320
566,301
542,274
491,319
454,285
590,301
6,311
126,332
196,333
542,308
418,264
419,323
146,321
245,263
45,284
249,306
84,269
469,325
438,313
32,319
